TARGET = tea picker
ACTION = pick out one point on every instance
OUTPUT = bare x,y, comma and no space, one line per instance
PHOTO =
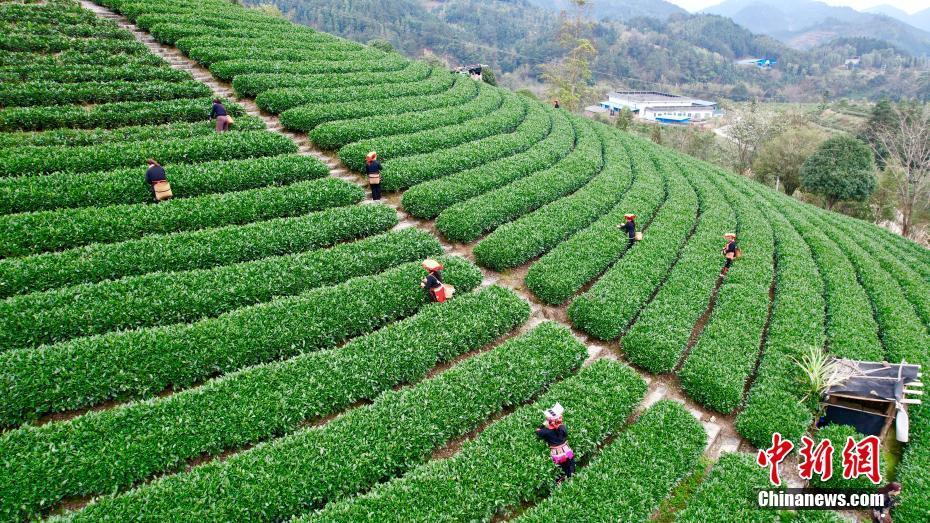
630,228
731,252
554,433
157,180
219,112
437,290
373,170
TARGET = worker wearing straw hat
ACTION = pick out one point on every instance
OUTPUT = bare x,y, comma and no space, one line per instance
554,433
731,251
373,170
630,227
437,290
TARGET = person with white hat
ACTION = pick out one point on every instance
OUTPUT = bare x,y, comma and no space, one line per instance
373,171
731,251
554,433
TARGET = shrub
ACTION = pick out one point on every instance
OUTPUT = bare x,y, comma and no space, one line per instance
724,357
304,119
300,41
428,199
141,363
729,492
64,58
85,310
278,100
632,475
218,146
775,402
124,186
505,114
463,488
357,450
103,451
92,73
610,305
563,271
411,170
914,469
54,44
903,334
515,243
32,233
336,134
663,329
53,93
251,84
192,250
466,221
229,69
117,114
81,137
210,54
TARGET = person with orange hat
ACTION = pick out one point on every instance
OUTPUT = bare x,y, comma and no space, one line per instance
433,281
629,227
731,251
554,433
373,170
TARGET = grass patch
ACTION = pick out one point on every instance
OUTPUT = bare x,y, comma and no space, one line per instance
681,494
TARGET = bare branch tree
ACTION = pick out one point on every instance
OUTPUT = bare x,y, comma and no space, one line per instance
905,147
748,128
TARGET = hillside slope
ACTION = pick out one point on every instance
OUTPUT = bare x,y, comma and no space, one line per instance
291,323
692,52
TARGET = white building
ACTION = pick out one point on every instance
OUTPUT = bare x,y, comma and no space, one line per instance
660,107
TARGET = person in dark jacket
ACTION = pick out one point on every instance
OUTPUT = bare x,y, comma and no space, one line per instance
630,228
882,514
555,103
222,116
373,171
155,173
554,433
433,280
729,252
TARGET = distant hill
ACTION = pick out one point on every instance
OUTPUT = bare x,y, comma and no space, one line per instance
804,23
619,9
920,19
888,10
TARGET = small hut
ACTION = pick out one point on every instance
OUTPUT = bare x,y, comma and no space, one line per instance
474,70
870,395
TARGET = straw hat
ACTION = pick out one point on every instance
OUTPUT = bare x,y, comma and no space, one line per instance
629,216
372,156
730,235
431,265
